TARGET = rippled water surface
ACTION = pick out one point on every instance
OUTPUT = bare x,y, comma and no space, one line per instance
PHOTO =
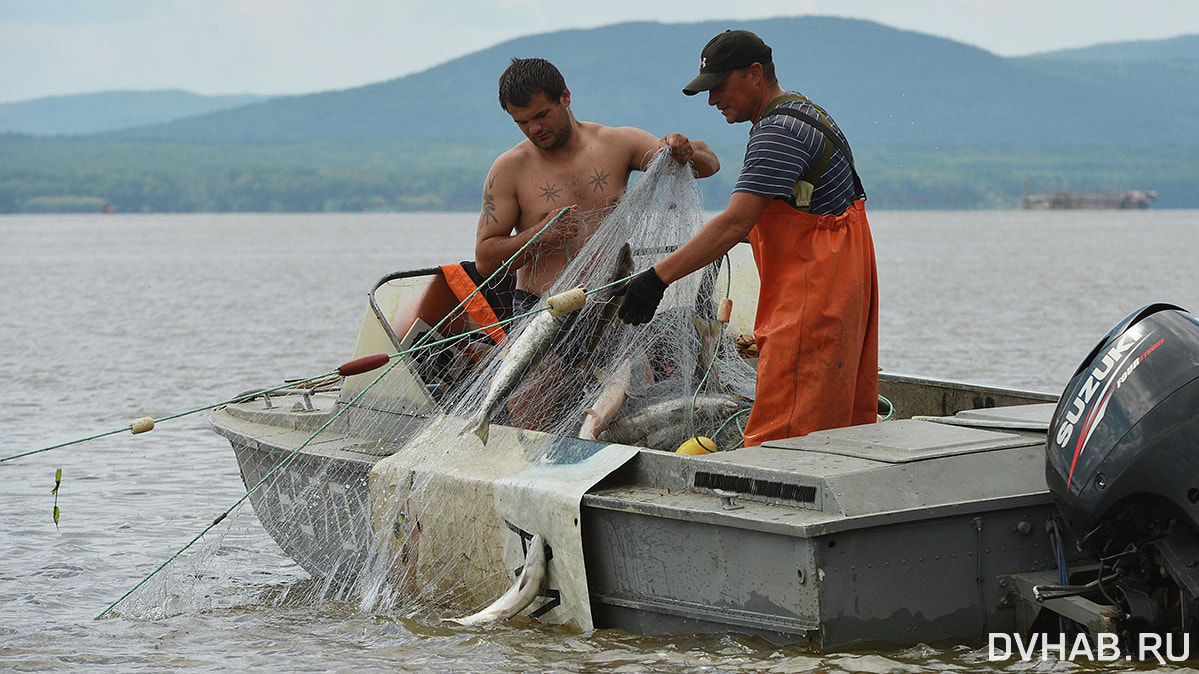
109,318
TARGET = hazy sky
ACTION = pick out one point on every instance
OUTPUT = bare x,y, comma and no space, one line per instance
52,47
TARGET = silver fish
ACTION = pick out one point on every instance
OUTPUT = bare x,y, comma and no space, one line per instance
608,305
610,399
671,437
521,594
633,373
406,530
522,358
632,429
708,332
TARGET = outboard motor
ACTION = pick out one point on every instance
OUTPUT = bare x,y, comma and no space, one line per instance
1123,466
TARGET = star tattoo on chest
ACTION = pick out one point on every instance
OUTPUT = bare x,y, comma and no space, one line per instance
549,192
598,180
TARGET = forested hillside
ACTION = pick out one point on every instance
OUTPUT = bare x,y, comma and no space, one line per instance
934,124
883,85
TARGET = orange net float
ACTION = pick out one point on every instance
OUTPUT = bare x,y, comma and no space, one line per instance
363,364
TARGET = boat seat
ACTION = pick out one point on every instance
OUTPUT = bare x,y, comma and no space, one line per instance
405,305
487,302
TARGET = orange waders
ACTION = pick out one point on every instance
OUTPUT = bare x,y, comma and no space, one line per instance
817,322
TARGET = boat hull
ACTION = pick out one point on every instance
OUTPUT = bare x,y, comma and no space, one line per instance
313,501
900,532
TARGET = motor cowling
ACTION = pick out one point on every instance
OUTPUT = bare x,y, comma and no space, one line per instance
1123,444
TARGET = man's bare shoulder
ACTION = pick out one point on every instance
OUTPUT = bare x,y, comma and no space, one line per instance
634,146
629,136
505,172
518,156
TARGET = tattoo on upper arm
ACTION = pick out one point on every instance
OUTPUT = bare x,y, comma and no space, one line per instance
549,192
598,180
488,204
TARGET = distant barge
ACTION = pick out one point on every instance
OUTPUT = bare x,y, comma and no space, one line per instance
1070,199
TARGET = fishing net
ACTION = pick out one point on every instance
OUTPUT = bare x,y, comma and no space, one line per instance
408,489
683,379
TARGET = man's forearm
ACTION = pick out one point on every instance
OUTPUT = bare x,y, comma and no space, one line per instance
703,160
491,253
715,238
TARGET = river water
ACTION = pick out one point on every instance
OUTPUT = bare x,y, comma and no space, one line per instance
109,318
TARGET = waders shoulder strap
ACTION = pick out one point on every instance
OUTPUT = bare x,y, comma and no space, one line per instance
825,130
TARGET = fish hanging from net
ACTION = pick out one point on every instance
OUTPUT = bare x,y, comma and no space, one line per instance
412,526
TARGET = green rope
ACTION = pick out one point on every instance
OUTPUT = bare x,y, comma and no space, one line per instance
419,345
513,319
732,417
238,399
495,273
270,473
613,283
287,459
890,408
728,291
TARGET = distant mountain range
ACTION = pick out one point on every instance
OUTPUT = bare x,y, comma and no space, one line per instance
1183,48
883,85
934,123
83,114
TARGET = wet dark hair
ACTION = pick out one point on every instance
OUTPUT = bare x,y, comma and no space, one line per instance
525,77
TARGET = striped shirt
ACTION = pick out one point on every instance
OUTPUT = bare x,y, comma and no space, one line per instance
782,149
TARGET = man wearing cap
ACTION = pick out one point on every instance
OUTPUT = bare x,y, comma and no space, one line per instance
800,202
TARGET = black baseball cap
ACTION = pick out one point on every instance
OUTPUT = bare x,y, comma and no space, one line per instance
729,51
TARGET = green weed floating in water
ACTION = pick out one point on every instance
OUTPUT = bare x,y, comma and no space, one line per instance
57,482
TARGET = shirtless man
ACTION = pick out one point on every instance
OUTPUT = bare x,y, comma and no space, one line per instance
562,163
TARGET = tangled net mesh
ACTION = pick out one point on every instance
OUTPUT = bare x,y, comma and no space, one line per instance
425,544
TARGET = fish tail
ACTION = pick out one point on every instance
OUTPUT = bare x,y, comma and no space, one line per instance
480,425
483,429
706,327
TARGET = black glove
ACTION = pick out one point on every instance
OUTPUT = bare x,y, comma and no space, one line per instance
642,294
